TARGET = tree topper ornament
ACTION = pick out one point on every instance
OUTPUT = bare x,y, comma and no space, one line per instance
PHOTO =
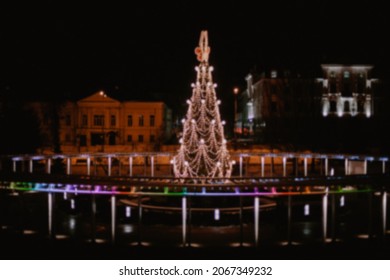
202,52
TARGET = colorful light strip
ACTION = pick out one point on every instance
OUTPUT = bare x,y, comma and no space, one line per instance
164,191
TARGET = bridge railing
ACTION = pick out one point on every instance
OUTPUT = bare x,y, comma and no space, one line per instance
158,164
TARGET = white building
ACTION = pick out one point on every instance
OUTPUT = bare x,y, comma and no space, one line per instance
347,90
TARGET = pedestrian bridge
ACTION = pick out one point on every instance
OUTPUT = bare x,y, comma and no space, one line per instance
324,181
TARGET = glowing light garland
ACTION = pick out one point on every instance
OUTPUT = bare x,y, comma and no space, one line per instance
203,151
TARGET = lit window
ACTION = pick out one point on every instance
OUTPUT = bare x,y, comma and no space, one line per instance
346,75
274,74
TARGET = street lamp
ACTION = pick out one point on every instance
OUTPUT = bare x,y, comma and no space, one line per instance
235,91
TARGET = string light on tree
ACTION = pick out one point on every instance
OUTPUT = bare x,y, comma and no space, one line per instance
203,151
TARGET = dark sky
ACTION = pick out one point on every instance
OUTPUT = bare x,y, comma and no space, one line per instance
145,50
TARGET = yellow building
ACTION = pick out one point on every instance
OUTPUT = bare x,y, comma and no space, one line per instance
99,123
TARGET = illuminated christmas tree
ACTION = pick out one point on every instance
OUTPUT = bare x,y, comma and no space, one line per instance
203,151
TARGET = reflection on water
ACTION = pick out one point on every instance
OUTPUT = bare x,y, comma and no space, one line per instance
75,219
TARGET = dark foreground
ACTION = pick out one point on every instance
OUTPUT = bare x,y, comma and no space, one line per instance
36,248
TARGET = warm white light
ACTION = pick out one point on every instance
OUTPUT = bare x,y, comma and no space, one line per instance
183,120
128,211
325,107
367,107
342,201
306,210
223,122
203,141
216,214
215,85
181,140
192,85
72,223
188,101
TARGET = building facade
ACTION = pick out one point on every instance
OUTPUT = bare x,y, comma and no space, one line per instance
347,90
99,123
273,97
282,107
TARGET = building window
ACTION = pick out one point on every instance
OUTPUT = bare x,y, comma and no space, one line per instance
152,120
274,74
333,106
67,120
113,120
360,106
152,138
332,86
97,139
361,84
347,88
111,138
140,138
129,120
141,120
84,120
83,140
98,120
129,138
347,108
67,137
346,74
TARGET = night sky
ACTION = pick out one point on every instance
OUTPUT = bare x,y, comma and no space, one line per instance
145,50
